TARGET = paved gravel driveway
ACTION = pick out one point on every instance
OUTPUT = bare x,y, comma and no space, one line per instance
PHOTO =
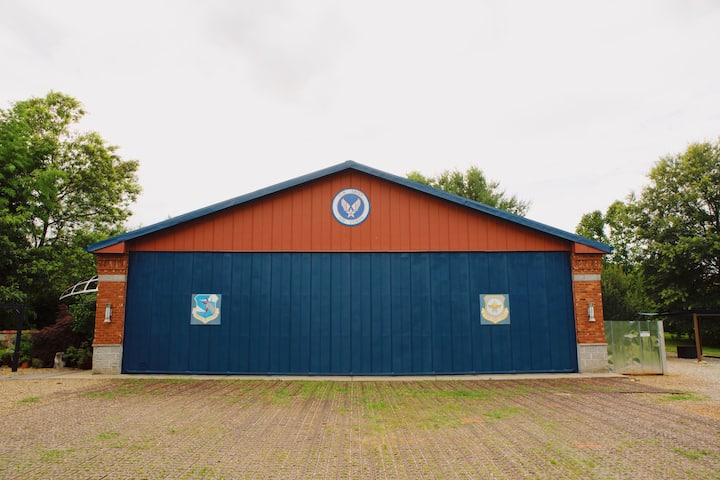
75,426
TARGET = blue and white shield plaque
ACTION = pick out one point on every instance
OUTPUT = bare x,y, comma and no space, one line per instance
350,207
205,309
494,309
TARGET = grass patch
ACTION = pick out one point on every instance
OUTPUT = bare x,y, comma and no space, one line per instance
139,386
108,435
176,381
112,439
455,393
307,390
523,389
376,406
691,454
684,396
203,472
29,400
106,395
448,415
467,393
129,387
671,343
597,388
315,389
281,395
54,455
283,392
501,413
373,400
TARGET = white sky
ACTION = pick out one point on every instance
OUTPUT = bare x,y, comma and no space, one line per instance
566,103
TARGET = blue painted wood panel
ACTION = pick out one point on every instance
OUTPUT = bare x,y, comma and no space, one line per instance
349,313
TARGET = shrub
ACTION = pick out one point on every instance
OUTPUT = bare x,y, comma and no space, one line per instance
80,357
25,347
56,338
7,354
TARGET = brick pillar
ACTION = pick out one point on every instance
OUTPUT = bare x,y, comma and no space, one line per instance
592,345
107,345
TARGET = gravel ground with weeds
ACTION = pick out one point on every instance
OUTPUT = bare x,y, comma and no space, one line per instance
699,383
71,426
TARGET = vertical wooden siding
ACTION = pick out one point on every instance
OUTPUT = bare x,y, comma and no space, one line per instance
300,220
349,313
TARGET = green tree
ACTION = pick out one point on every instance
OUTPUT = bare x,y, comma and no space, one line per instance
666,240
60,189
623,293
617,228
474,186
592,225
677,220
622,281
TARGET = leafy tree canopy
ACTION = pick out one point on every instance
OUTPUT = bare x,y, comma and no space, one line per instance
615,228
474,186
677,220
667,239
60,189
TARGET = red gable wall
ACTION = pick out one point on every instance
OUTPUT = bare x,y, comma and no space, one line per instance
300,219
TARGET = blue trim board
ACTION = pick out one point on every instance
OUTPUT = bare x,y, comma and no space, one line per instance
348,165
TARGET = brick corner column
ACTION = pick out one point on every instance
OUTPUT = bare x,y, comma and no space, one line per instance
107,344
592,344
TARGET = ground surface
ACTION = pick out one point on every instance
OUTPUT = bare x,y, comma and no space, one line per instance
83,426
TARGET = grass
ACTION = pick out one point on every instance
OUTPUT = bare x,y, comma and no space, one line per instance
460,393
596,388
501,413
474,394
671,343
685,396
281,395
111,435
136,386
691,454
54,455
30,400
119,391
420,428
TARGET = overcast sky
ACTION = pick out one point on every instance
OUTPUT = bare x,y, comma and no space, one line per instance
566,103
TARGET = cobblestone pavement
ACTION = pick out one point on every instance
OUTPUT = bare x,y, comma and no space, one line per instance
70,426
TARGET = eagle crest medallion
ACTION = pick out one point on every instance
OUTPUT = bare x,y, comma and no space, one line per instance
350,207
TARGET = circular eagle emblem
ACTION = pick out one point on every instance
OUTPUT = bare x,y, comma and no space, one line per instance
350,207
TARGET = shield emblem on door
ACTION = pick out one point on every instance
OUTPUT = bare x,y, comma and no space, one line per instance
205,309
494,309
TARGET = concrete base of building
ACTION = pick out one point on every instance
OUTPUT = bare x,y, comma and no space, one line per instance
593,358
107,359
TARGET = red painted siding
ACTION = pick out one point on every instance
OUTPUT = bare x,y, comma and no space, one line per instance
300,219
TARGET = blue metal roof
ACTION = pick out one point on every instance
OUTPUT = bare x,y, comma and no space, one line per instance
348,165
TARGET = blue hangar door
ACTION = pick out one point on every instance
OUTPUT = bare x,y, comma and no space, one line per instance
348,313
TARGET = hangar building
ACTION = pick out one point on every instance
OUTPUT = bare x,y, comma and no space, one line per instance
349,271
